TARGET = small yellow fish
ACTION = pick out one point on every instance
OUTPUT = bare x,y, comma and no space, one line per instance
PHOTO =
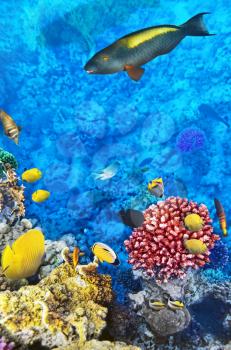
11,129
156,305
32,175
195,246
40,196
105,254
175,304
156,187
25,256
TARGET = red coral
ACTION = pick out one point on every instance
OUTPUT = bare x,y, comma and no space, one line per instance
158,245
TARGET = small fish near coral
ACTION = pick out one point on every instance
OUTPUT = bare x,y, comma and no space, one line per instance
156,305
193,222
108,172
134,50
104,253
131,217
175,304
40,196
11,129
32,175
72,258
23,259
221,216
156,187
195,246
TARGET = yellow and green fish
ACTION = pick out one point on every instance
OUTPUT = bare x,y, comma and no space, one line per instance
23,259
32,175
40,196
156,305
132,51
105,254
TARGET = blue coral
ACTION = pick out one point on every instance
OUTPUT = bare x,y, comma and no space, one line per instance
190,140
219,256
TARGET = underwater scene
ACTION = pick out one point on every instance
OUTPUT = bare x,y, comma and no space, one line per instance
115,164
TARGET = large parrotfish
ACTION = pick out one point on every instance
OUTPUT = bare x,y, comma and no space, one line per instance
132,51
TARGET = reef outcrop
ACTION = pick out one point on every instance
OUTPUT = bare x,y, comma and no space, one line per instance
100,345
62,308
157,247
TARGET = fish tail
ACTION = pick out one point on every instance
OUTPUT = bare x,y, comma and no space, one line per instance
195,26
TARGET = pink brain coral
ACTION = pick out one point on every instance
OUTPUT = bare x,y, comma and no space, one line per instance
158,245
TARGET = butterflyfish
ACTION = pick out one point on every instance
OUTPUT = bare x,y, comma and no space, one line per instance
105,254
32,175
23,259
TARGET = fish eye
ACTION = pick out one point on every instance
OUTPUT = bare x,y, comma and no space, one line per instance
106,58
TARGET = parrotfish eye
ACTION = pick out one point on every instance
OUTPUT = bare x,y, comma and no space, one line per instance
106,58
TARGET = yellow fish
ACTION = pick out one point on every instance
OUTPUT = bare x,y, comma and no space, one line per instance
156,187
156,305
195,246
175,304
11,129
32,175
25,256
40,196
105,254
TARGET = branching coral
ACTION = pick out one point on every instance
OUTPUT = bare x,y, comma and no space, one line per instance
11,194
158,245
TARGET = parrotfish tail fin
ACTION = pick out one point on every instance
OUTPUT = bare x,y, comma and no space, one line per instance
195,26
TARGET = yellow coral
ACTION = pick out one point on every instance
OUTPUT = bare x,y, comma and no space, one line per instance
65,302
193,222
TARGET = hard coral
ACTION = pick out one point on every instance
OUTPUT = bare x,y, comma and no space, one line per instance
63,307
158,245
11,195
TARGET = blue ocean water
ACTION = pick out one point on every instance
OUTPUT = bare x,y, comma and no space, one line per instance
75,124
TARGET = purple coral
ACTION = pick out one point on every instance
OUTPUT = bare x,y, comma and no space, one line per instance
219,256
4,345
190,139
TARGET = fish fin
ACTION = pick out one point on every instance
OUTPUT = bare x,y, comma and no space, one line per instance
19,128
116,262
135,73
195,26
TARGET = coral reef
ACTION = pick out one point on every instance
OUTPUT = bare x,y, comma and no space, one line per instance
100,345
219,256
4,345
64,307
190,139
158,245
6,158
11,196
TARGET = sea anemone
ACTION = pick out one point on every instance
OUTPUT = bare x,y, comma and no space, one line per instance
157,247
190,139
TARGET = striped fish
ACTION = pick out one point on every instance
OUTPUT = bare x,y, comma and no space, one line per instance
221,216
104,253
11,129
132,51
